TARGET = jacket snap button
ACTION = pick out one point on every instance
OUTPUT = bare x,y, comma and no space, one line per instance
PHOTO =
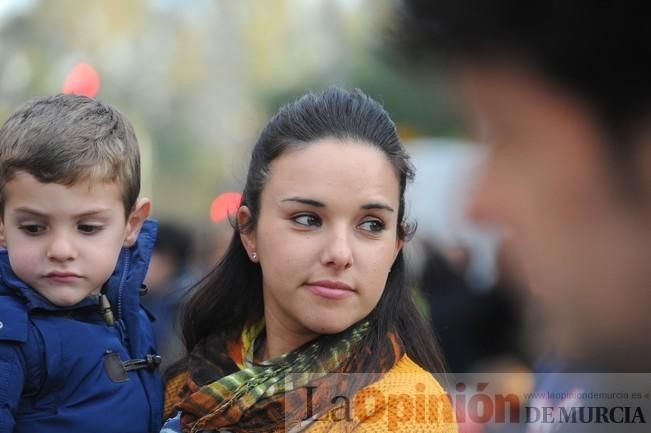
2,325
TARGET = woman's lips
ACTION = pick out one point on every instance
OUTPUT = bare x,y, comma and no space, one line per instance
331,289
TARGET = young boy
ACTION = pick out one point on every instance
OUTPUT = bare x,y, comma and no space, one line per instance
76,349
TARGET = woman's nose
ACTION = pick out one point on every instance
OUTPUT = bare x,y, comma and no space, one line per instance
338,250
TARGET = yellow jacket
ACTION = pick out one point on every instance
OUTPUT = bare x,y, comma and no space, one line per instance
407,399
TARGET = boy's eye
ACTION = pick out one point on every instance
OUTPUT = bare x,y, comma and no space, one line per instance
32,229
372,225
307,220
88,228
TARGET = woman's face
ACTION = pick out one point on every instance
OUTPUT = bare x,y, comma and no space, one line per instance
326,237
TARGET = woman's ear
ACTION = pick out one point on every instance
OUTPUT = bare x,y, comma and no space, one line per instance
136,219
247,233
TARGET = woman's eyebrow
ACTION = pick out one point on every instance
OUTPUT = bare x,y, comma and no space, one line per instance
307,201
316,203
377,206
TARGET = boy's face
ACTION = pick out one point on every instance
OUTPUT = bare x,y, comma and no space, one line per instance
64,241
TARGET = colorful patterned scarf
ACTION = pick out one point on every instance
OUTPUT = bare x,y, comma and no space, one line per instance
223,391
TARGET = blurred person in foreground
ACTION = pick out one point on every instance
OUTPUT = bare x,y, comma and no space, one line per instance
560,93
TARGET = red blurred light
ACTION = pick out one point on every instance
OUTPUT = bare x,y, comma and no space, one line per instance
82,80
224,205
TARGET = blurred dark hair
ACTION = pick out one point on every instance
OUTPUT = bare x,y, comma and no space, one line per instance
595,50
474,327
231,295
174,240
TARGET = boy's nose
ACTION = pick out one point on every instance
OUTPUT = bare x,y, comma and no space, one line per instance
61,248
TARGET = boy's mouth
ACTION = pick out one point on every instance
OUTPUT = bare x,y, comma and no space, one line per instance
63,277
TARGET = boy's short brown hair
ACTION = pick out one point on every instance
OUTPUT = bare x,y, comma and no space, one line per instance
65,139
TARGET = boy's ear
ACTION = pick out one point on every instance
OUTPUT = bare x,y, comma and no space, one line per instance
135,220
247,235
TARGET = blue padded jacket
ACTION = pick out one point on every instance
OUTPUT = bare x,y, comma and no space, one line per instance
64,369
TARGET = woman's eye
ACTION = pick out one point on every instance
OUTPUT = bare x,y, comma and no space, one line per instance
307,220
33,229
372,225
88,228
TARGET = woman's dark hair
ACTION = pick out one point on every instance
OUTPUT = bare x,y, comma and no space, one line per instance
231,295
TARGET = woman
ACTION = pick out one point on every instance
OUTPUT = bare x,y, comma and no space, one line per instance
312,287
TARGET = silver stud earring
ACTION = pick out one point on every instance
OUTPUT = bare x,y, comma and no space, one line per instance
254,256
